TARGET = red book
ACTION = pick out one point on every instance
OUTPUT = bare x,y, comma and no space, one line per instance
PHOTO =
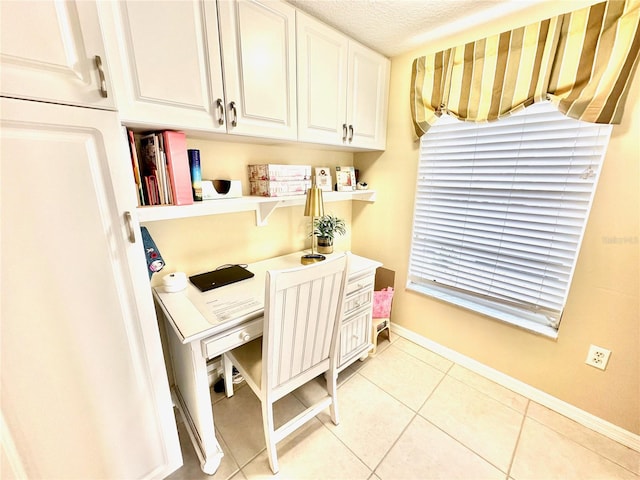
175,146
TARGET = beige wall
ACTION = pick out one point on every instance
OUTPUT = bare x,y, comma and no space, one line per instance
199,244
603,305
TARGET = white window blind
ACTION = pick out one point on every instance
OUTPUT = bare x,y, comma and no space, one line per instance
501,209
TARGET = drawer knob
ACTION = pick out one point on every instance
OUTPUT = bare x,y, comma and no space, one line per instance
245,337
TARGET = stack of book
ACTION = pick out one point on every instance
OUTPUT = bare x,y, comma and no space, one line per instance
271,180
161,168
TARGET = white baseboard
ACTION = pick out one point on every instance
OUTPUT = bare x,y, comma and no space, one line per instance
584,418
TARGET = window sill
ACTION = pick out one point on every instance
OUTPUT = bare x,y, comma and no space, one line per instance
532,322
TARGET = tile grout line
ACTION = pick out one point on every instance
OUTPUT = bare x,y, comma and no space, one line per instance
415,414
326,425
586,447
529,400
517,444
477,454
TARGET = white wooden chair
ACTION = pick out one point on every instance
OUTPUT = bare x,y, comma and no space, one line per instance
302,315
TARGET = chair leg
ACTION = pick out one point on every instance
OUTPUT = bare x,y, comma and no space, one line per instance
332,387
227,368
269,432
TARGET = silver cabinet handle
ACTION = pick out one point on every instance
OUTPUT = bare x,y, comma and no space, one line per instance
344,132
129,221
103,81
350,133
220,107
232,107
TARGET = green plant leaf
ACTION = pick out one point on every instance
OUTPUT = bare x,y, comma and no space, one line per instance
329,226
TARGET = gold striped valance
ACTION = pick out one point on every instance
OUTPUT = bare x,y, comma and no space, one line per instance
582,61
595,61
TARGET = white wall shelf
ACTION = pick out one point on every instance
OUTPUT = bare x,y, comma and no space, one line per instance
263,206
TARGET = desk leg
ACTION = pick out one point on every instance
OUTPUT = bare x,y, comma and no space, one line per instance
192,397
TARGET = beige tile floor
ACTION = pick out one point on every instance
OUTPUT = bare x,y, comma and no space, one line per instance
408,413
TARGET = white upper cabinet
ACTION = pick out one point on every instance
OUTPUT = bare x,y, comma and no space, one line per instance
322,82
367,98
255,68
168,71
342,88
52,51
166,65
259,58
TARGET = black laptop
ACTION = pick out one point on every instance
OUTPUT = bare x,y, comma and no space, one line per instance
220,277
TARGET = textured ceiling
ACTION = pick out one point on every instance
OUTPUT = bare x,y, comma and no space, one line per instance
392,27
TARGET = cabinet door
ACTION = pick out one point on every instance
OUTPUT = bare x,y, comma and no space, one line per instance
166,66
48,53
322,82
84,386
368,93
259,60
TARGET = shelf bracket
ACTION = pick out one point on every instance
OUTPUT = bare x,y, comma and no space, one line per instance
264,210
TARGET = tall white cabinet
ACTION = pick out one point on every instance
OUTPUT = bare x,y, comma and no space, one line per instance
342,88
84,387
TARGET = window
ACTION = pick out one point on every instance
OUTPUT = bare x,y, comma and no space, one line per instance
501,210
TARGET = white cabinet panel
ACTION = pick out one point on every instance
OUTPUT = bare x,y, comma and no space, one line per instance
84,388
48,53
322,77
166,66
342,88
368,97
259,59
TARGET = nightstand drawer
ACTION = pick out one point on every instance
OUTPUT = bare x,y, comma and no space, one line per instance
357,300
218,344
355,335
360,283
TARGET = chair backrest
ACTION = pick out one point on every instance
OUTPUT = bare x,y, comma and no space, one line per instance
303,309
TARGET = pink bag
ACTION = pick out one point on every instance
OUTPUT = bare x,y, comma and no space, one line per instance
382,303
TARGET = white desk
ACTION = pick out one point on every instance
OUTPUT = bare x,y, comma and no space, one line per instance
196,336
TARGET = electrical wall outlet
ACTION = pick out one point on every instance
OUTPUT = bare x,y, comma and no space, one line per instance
598,357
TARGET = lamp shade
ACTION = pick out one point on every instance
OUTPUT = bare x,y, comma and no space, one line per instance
314,206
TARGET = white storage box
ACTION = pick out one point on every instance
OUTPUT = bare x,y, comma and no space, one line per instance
217,189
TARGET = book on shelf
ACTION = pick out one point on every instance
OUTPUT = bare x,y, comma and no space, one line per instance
195,174
135,165
175,147
160,167
154,166
151,186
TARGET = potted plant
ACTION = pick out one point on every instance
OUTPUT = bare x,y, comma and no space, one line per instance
326,228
